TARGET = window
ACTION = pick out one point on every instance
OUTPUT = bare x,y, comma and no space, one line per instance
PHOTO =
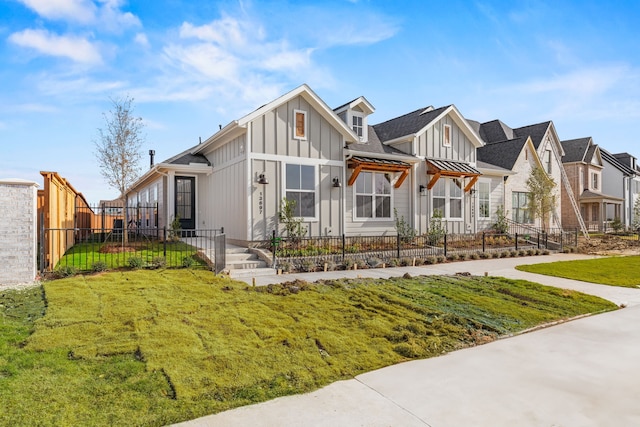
547,160
484,197
300,124
520,207
300,185
446,197
356,125
594,212
373,195
446,135
594,181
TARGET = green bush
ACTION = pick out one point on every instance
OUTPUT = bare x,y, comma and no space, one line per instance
63,271
308,265
136,262
159,262
188,262
99,266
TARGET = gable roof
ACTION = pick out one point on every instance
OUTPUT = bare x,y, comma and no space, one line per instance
415,123
304,91
361,101
536,132
502,153
495,131
377,149
575,150
613,161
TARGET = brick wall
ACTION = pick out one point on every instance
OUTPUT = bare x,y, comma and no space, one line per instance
18,231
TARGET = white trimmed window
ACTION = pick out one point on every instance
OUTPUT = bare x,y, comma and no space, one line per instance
547,160
373,196
484,200
446,135
520,207
446,198
299,124
594,181
357,124
300,186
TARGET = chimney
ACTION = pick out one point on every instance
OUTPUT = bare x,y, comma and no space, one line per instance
151,154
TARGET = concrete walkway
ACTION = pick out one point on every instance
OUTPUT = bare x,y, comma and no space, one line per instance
581,373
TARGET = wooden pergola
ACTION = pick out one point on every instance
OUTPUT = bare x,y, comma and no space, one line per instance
359,164
451,169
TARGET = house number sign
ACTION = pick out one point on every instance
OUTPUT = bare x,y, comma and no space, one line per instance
260,203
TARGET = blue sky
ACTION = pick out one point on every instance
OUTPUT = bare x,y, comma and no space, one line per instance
191,66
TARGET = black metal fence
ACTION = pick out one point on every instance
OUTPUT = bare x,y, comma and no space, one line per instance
97,249
384,249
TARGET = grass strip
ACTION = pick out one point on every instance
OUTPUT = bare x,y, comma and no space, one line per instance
621,271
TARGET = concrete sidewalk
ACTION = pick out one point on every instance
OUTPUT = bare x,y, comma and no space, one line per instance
580,373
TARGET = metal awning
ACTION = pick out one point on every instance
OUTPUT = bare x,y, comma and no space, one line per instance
452,169
360,163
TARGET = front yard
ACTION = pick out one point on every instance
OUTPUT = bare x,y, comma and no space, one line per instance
157,347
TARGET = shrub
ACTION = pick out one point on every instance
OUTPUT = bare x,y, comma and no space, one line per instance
484,255
430,260
475,255
360,263
308,265
349,263
285,266
452,257
188,262
419,261
330,265
135,262
441,258
63,271
158,262
406,262
495,255
513,253
522,252
463,257
531,252
99,266
545,252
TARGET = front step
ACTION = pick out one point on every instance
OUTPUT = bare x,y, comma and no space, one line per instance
242,263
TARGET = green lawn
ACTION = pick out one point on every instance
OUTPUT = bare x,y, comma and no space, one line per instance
614,271
157,347
83,256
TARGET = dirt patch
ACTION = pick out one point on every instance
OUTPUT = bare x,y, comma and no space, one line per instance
609,244
116,249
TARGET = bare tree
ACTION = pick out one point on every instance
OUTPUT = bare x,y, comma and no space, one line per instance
542,197
118,149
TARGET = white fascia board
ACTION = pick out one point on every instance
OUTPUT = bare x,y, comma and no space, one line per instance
361,100
552,128
310,96
495,172
216,137
460,121
382,156
401,140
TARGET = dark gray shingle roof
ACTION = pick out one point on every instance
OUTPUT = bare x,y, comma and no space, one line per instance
613,161
187,158
502,153
536,132
374,145
575,150
407,124
495,131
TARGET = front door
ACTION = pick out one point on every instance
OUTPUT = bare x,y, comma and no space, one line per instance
186,201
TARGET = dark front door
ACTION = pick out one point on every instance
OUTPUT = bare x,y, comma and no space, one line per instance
186,201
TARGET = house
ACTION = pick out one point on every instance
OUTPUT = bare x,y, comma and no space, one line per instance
617,180
519,151
345,175
584,168
634,185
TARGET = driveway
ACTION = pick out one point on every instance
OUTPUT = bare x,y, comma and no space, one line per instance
580,373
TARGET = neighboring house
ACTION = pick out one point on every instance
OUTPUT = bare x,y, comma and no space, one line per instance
634,184
346,176
617,180
519,151
584,168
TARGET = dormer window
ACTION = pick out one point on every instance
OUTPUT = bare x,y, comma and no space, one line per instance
356,125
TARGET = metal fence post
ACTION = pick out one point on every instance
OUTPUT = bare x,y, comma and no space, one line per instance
516,241
445,245
398,245
561,233
483,242
343,246
538,240
164,241
273,248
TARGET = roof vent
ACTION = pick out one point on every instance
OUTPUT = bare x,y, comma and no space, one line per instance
427,110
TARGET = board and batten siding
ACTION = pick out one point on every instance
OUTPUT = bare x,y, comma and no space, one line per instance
273,146
496,199
429,144
400,200
222,194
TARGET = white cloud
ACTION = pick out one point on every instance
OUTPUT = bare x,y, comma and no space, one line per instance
141,39
83,11
106,14
75,48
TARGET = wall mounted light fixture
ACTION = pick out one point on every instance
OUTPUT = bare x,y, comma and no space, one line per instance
421,189
262,179
336,182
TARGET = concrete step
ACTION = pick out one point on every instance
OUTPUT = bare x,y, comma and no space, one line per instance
246,264
233,257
